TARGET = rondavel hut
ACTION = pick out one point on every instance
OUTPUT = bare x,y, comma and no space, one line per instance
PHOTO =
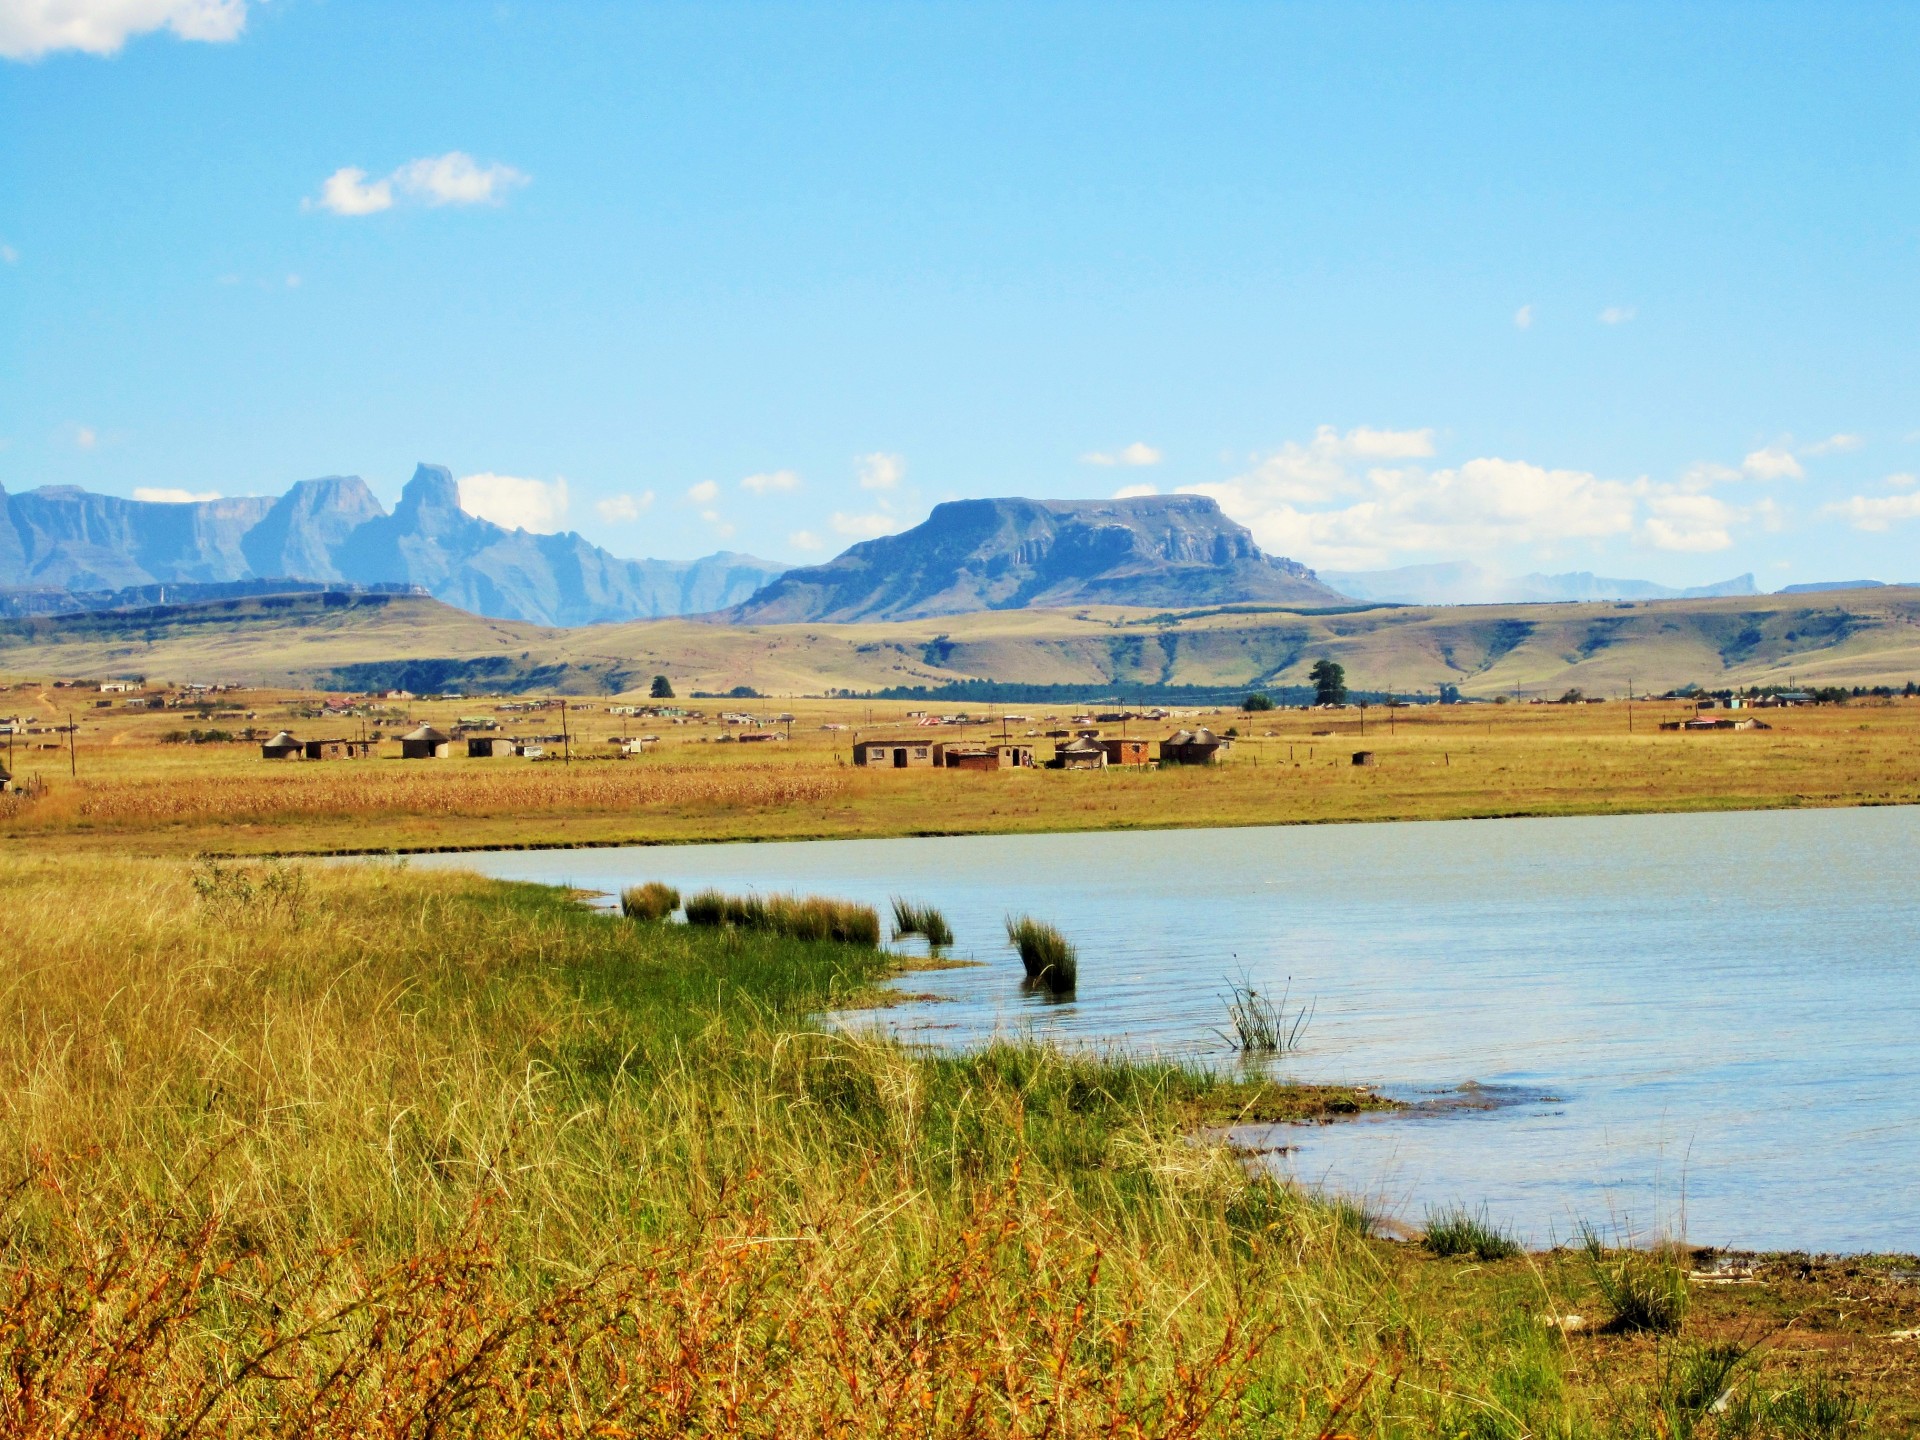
426,743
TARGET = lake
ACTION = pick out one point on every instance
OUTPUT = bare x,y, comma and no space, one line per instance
1648,1023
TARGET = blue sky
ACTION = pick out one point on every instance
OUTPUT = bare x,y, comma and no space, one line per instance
1629,288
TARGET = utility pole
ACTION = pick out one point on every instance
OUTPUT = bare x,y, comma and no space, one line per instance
73,762
566,742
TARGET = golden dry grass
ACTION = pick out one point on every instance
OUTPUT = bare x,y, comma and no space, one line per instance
1432,763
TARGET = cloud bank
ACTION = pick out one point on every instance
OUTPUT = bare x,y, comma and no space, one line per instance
30,29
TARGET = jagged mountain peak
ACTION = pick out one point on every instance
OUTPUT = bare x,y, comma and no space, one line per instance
333,529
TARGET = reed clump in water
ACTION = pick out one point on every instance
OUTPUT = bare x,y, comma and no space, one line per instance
797,917
1047,956
923,920
1262,1026
654,900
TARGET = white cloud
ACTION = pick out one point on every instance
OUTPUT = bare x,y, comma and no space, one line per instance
1134,492
173,497
864,527
1617,314
618,508
1138,453
1775,462
705,493
1688,522
1523,318
805,540
880,471
32,28
1834,444
721,525
515,502
1902,481
771,480
10,255
84,438
346,192
1877,512
454,179
450,179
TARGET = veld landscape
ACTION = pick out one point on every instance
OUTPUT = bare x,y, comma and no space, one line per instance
1307,835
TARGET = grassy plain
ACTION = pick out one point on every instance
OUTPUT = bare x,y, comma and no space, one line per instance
358,1150
124,784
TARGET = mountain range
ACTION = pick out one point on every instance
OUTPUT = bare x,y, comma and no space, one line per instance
1012,554
1465,583
61,539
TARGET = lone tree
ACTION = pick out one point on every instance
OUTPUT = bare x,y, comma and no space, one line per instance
1257,701
662,688
1329,682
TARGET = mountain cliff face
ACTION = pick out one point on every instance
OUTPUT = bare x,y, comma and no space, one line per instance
1172,550
334,529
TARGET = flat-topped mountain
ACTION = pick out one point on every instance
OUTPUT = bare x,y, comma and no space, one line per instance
1172,550
58,538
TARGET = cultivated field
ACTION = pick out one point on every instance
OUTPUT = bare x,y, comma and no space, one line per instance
126,784
346,1151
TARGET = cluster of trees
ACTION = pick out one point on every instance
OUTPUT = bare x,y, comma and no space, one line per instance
1329,680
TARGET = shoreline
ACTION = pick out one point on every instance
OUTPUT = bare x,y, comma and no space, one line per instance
816,837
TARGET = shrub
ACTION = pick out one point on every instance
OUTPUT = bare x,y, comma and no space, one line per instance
651,901
1459,1232
1050,962
1646,1290
911,919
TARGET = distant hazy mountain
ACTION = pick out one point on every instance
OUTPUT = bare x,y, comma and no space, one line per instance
1815,587
334,529
1465,583
1172,550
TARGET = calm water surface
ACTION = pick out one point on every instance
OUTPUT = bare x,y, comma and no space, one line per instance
1698,1020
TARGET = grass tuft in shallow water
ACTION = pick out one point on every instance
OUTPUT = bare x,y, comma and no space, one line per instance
923,920
1049,959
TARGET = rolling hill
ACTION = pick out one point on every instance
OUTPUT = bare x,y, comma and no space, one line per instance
338,641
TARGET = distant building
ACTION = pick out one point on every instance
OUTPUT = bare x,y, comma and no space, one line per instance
336,749
426,743
898,754
1079,753
1191,747
282,747
490,747
1125,752
989,757
1363,757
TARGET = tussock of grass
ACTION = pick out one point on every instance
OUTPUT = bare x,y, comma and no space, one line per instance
1461,1232
923,920
1644,1290
1049,960
654,900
